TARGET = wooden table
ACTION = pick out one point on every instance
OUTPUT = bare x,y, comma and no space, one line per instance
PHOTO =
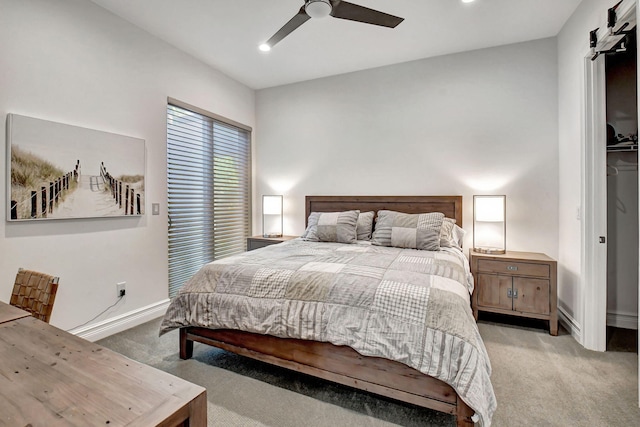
9,312
49,377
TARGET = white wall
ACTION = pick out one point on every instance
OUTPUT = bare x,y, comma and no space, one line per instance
573,47
71,61
480,122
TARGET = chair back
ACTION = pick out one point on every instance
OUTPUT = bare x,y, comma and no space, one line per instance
35,292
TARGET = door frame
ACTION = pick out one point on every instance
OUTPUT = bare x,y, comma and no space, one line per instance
594,195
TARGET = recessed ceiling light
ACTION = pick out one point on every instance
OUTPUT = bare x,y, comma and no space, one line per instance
467,1
264,47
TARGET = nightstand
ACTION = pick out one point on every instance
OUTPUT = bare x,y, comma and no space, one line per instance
516,283
256,242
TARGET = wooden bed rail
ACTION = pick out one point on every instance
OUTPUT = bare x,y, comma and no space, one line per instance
339,364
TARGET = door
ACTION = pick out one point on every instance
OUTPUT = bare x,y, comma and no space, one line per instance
532,295
494,291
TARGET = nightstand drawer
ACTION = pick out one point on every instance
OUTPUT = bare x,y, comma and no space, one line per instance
513,268
257,244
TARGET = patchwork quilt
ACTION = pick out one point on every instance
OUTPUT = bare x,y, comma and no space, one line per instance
407,305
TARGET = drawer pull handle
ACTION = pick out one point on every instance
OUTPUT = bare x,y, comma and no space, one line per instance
512,267
509,293
515,294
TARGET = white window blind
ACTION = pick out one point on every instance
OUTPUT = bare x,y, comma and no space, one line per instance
208,186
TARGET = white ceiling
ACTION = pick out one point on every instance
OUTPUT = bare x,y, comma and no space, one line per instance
226,33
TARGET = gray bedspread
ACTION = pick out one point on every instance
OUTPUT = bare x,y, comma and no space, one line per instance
406,305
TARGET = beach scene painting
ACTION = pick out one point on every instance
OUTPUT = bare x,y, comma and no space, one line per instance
60,171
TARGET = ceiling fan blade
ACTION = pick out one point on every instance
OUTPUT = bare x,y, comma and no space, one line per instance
300,18
353,12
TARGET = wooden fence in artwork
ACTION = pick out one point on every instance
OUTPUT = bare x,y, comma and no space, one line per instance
122,193
48,200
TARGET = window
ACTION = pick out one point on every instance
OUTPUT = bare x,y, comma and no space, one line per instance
208,190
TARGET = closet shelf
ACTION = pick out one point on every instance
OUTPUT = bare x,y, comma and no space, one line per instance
613,148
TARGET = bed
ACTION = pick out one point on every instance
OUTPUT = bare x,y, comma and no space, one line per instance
404,379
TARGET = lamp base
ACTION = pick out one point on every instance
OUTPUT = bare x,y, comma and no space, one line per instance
490,251
271,236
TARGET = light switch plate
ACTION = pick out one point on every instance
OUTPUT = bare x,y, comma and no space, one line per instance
155,208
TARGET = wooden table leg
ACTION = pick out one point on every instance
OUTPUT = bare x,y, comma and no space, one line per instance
198,411
553,325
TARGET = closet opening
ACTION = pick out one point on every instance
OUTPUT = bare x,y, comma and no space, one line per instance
622,196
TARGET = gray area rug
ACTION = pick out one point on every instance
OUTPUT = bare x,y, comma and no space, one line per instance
539,380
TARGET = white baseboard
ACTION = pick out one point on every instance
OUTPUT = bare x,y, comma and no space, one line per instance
570,324
122,322
622,320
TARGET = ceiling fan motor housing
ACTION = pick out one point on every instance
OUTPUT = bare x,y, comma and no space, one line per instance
317,8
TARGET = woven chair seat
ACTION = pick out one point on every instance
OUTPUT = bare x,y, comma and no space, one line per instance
35,292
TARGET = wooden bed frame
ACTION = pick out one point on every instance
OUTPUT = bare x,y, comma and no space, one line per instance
342,364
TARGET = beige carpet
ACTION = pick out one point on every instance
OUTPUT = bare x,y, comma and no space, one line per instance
554,381
539,380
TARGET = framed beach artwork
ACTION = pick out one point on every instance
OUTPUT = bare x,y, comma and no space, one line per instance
59,171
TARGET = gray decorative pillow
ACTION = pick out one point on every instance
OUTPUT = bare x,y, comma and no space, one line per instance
446,233
337,227
365,225
415,231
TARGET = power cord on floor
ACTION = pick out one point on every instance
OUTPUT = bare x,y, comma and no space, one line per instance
120,298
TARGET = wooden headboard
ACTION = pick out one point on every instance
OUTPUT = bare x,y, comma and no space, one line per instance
450,206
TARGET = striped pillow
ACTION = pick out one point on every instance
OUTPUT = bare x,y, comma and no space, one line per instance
446,233
365,225
414,231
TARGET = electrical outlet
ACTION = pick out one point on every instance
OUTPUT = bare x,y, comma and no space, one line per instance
120,287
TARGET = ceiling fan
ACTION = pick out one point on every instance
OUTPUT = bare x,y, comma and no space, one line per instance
337,9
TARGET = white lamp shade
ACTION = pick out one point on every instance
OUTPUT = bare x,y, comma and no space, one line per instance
489,224
272,216
489,208
272,205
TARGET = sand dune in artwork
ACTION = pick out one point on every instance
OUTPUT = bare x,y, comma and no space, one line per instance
89,199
